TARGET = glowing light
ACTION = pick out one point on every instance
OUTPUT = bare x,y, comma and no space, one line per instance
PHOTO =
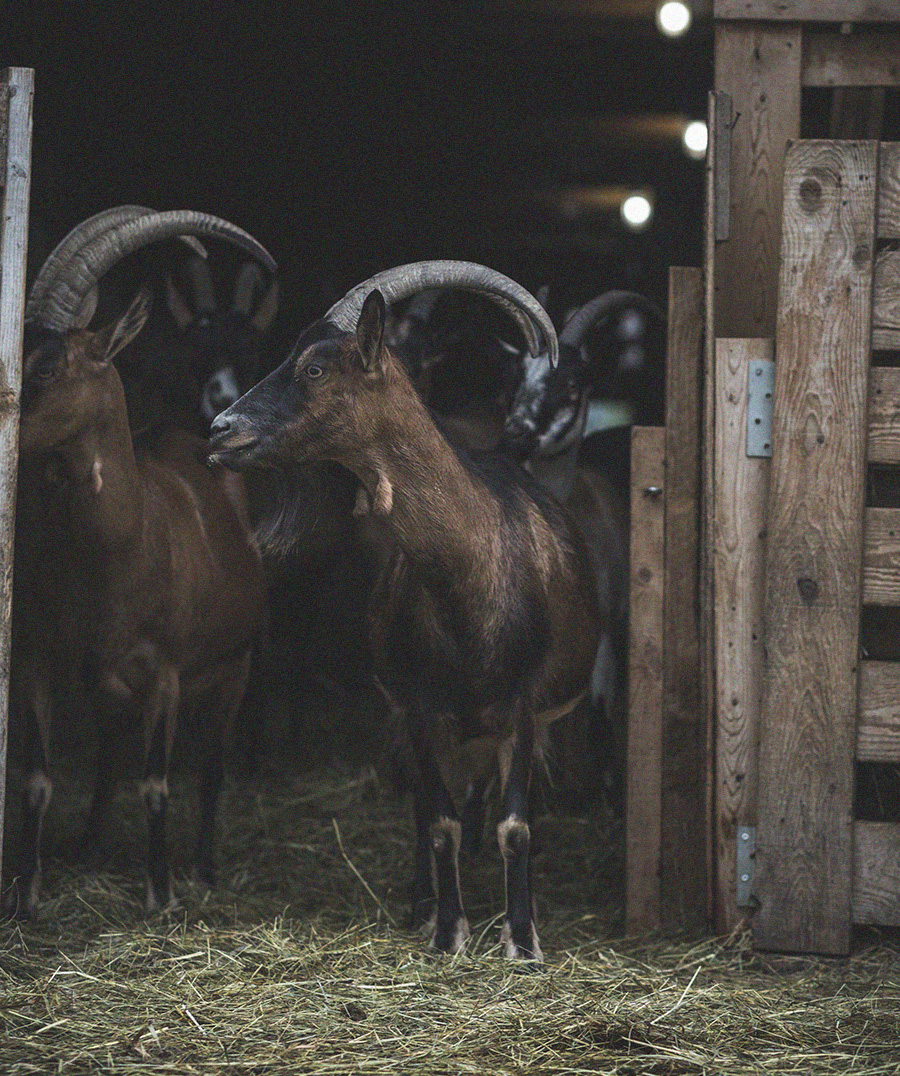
673,18
637,211
695,138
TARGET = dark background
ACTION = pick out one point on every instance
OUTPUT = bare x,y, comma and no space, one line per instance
351,137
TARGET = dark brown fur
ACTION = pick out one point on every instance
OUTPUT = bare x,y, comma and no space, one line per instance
484,619
134,577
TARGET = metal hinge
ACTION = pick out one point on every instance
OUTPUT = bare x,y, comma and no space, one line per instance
746,856
760,382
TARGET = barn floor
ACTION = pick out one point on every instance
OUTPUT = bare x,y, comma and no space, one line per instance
300,960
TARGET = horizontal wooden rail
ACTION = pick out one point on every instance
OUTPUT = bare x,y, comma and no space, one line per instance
876,873
878,727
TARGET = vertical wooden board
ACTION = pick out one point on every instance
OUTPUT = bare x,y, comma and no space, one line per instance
17,87
741,496
758,65
814,549
645,680
686,855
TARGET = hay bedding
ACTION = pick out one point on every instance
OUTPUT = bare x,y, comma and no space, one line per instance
299,961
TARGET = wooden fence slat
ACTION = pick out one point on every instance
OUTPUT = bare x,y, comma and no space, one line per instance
884,415
814,548
881,557
741,492
863,58
17,89
686,853
876,873
878,727
645,672
889,191
886,301
759,67
809,10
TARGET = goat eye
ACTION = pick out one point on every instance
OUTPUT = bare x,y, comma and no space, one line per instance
312,371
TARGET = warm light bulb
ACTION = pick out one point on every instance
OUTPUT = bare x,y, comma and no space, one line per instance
636,211
695,138
673,18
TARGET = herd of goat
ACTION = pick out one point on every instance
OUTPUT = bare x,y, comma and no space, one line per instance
495,538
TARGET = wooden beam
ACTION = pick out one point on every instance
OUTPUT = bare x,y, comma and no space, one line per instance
889,191
814,549
645,680
16,95
741,493
863,58
884,414
881,557
878,727
759,67
686,852
809,10
876,873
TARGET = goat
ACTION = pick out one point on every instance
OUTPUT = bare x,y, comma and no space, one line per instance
135,575
546,429
221,348
483,618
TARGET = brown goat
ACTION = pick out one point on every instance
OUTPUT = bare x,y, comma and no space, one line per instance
135,576
483,619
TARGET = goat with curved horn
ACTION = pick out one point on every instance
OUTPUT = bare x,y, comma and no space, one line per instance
57,307
137,578
483,618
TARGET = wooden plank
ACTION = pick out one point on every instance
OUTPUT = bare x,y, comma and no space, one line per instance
876,874
686,852
881,557
864,58
889,191
884,414
886,301
741,495
645,671
814,549
759,67
878,727
809,10
18,91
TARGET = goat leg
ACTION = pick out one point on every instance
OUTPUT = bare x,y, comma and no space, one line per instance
154,789
37,788
438,835
519,935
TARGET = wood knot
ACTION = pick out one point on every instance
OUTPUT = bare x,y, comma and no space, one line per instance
862,255
810,195
809,589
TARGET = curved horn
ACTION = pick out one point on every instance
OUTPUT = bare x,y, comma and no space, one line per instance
576,328
58,306
197,272
404,280
249,281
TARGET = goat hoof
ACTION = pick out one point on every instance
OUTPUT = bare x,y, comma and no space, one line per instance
159,899
451,937
521,945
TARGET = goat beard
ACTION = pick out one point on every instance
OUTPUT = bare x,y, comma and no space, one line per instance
307,505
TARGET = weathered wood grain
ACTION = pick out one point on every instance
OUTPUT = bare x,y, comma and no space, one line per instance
758,65
17,92
881,557
686,852
876,873
878,725
741,495
809,10
814,548
645,679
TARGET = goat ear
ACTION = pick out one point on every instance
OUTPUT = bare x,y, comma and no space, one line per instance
114,337
178,308
268,307
370,329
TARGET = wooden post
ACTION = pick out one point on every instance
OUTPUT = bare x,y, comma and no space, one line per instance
739,558
645,680
16,94
685,868
804,849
